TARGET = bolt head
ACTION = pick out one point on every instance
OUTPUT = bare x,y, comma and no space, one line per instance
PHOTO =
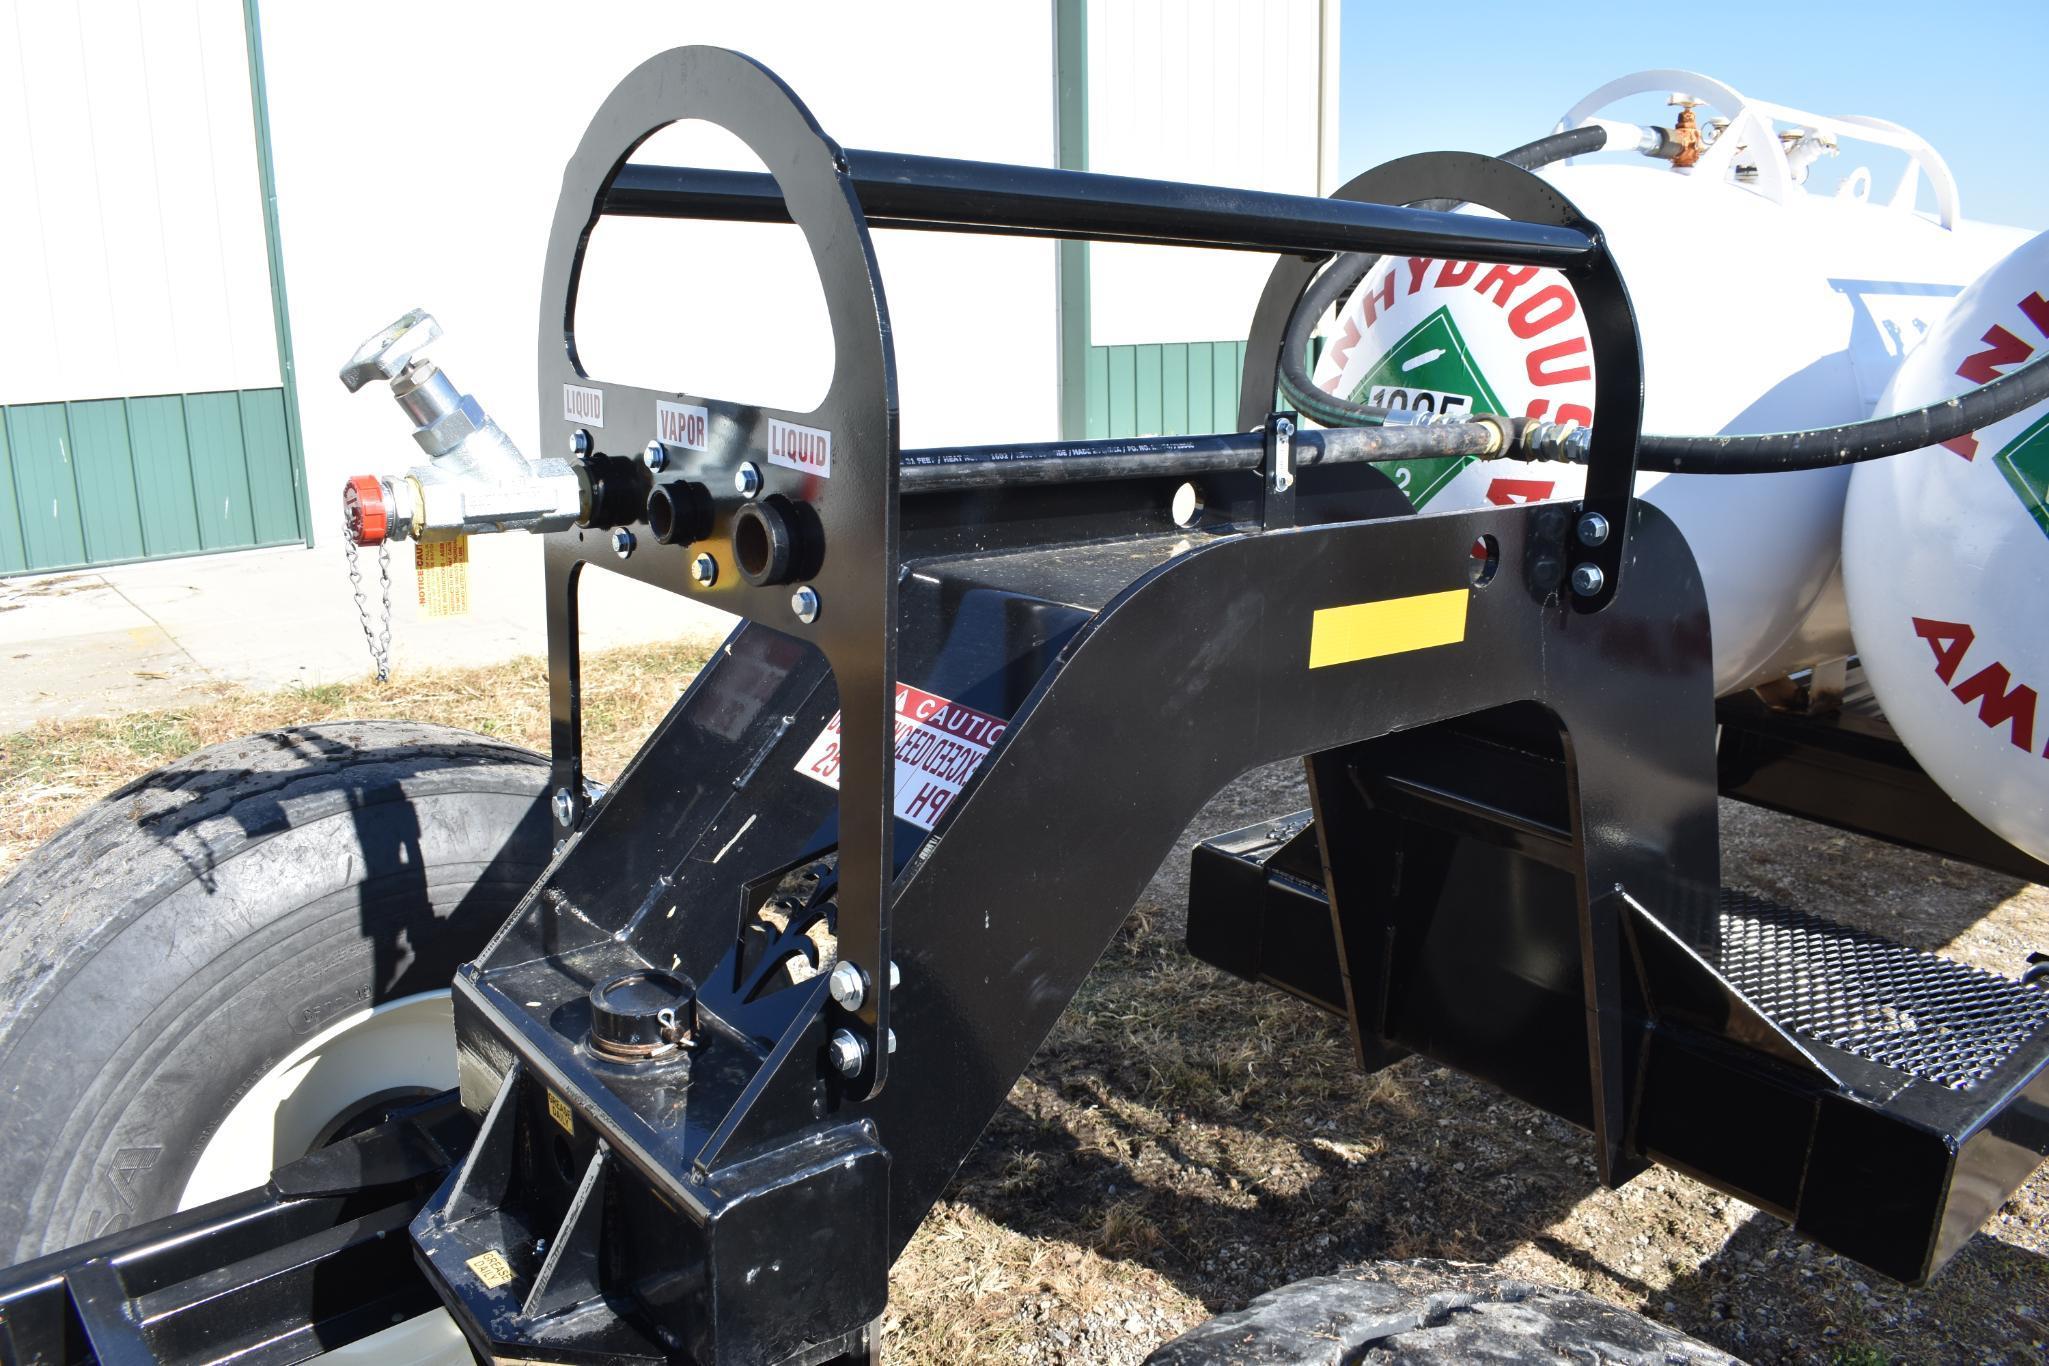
1587,579
622,543
704,570
564,806
846,1052
892,1039
1592,529
848,986
804,603
655,456
579,442
1284,429
896,977
747,479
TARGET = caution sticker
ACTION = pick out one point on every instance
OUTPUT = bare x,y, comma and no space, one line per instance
558,1110
939,745
442,574
491,1268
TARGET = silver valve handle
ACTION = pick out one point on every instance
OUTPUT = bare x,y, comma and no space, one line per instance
386,355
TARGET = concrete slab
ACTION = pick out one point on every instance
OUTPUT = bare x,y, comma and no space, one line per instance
140,636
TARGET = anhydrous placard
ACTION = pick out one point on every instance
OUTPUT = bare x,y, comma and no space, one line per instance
939,745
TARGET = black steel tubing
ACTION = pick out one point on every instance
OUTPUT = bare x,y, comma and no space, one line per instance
900,191
1056,462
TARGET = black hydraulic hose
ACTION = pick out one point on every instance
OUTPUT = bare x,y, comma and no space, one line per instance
1853,442
1344,274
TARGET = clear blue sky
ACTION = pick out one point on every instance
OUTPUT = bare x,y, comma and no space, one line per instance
1486,75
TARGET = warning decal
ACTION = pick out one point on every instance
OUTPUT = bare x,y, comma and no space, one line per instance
1431,370
442,576
939,745
491,1268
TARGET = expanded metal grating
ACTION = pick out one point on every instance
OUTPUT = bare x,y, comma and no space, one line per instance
1927,1016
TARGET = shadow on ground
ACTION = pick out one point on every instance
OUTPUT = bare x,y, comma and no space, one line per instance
1219,1137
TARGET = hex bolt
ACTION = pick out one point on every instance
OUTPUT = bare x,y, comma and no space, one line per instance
892,1039
622,543
565,807
704,570
579,442
896,977
747,479
655,456
1592,529
804,602
848,986
1587,579
847,1052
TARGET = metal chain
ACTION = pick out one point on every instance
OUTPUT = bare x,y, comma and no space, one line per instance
379,640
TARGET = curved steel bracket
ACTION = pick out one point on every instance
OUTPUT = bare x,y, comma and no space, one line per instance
1618,359
847,492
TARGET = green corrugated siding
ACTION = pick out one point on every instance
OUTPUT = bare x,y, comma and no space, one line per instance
163,476
1164,388
11,548
45,491
107,503
103,481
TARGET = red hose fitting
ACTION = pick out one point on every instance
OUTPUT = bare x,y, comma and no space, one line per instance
364,511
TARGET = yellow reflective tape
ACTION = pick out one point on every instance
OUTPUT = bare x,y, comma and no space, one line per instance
1392,626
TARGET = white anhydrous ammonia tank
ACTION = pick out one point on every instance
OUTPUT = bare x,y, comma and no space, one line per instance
1762,307
1946,564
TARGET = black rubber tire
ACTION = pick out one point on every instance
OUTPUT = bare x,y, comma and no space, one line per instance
170,946
1431,1313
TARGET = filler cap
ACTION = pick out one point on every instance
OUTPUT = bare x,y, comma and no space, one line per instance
642,1015
364,511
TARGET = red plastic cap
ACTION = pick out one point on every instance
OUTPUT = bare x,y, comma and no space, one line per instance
363,506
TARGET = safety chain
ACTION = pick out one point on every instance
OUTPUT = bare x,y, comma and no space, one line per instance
378,640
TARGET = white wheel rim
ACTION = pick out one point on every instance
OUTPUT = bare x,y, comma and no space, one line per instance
404,1044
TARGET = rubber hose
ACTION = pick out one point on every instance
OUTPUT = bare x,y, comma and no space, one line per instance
1853,442
1343,275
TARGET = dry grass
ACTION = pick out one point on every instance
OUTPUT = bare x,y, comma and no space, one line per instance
52,771
1185,1141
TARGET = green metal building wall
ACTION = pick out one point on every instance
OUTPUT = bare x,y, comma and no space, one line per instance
1163,389
125,477
105,481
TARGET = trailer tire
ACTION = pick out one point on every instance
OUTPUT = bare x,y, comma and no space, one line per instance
168,952
1423,1313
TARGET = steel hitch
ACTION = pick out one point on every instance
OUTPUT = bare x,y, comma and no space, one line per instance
734,1043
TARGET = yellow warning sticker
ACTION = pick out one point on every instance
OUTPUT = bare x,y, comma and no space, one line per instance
1392,626
491,1268
443,576
558,1110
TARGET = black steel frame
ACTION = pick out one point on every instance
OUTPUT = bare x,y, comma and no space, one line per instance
1536,789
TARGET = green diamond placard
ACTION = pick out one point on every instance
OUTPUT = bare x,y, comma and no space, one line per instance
1429,370
2025,463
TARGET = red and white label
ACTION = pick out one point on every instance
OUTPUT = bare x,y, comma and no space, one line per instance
806,450
939,745
681,424
585,407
